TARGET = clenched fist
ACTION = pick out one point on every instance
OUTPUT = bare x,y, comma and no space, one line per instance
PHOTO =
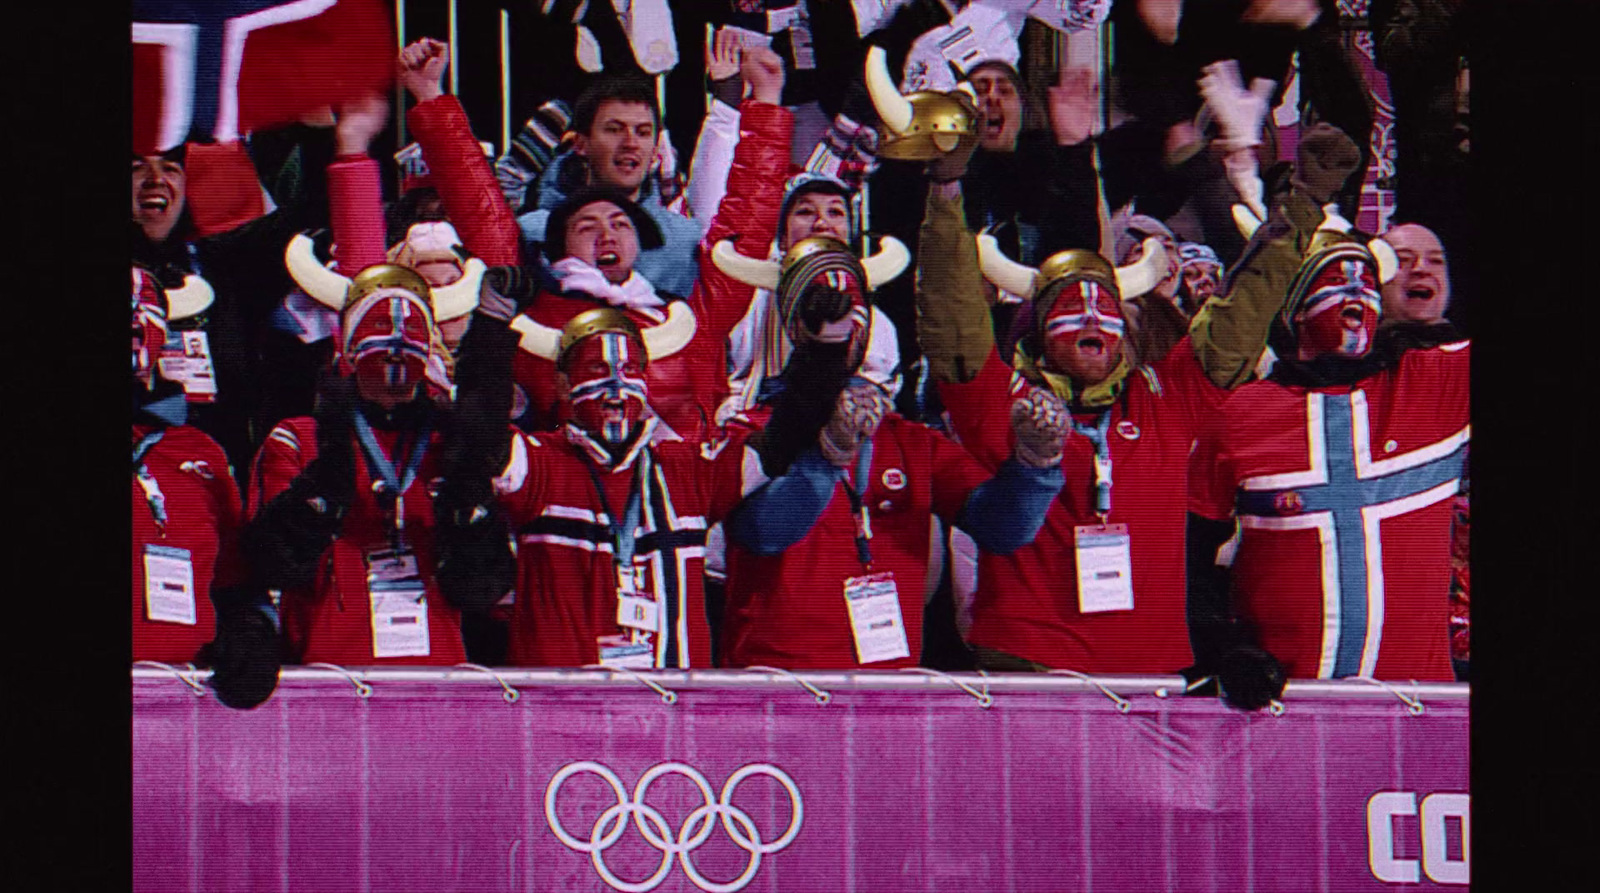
1041,423
856,417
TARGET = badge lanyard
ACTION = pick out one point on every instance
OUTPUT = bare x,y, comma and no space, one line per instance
1102,461
383,471
622,536
147,482
858,505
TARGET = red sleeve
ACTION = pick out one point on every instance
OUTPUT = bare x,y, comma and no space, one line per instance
955,474
355,211
520,486
229,569
1186,388
472,197
1211,479
748,212
723,459
1446,371
980,411
286,452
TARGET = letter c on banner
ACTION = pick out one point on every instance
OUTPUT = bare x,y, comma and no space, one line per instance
1436,859
1381,810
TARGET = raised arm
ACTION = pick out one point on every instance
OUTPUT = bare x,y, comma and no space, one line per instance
953,322
355,195
1230,331
466,183
713,151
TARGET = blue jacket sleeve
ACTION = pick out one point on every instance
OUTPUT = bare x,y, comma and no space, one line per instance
780,512
1004,513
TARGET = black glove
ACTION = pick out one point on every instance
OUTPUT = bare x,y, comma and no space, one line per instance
246,655
1325,160
820,304
475,565
1251,678
729,90
506,292
333,472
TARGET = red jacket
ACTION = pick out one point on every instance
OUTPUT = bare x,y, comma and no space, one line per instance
332,620
567,598
686,388
1027,602
203,519
1344,501
789,610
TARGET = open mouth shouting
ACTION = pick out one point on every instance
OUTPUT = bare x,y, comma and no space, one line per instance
629,166
1420,292
1092,345
607,259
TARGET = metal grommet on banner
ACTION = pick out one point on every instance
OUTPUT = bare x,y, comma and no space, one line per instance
1123,704
667,697
1413,703
821,696
362,689
511,695
199,690
1276,708
985,700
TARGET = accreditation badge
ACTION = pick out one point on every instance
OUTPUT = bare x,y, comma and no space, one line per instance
1105,568
399,604
875,619
186,359
169,585
622,651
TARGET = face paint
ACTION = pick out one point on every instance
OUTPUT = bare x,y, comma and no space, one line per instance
149,325
1340,312
608,393
387,344
1083,332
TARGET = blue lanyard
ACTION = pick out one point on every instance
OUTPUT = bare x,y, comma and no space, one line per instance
147,481
382,469
858,507
1102,461
622,535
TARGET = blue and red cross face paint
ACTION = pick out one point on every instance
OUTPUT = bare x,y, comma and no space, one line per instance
608,393
388,336
1085,310
1340,312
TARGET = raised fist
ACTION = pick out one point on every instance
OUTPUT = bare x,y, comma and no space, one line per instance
1325,160
856,417
359,121
422,67
1040,420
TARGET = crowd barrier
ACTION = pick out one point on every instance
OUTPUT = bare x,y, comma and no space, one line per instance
474,780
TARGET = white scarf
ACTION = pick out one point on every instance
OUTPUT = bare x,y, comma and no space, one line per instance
635,293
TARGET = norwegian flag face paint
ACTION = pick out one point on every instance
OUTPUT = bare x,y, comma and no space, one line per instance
149,324
609,394
1085,307
1340,312
388,338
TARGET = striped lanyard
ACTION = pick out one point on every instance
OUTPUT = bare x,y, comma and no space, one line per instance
622,530
147,481
1102,461
384,478
858,505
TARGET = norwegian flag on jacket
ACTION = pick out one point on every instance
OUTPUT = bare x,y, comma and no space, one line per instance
230,67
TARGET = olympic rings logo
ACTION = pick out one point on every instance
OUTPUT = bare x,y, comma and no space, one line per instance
696,830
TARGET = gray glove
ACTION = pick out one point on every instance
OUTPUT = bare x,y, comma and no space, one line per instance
856,417
1041,423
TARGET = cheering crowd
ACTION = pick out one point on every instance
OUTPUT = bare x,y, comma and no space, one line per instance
938,372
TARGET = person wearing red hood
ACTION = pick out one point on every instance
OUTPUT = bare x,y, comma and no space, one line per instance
591,243
192,599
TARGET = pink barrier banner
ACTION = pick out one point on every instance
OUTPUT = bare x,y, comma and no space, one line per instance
461,780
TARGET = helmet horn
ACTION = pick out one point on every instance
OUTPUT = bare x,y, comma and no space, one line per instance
1005,273
1145,273
893,109
752,272
195,295
891,260
457,299
320,283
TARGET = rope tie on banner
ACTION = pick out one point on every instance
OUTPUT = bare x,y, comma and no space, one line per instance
1413,703
985,700
667,697
821,696
511,695
1123,704
362,689
199,690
